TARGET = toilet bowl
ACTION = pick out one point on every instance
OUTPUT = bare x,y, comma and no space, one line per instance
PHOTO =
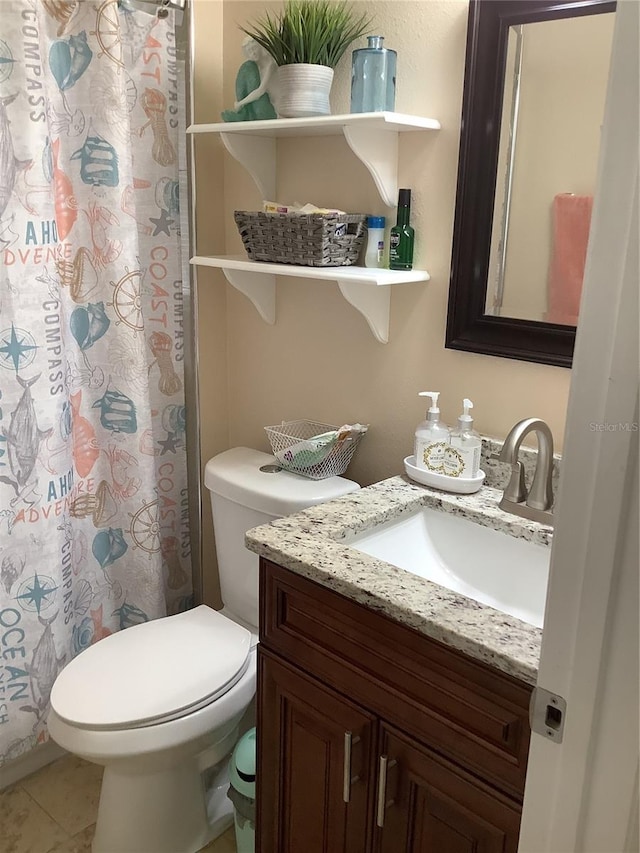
159,705
156,711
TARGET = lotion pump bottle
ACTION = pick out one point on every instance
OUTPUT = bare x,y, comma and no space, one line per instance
432,438
463,460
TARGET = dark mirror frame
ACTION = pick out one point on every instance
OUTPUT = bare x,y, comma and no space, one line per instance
468,327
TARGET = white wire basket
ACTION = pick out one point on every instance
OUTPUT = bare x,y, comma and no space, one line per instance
304,447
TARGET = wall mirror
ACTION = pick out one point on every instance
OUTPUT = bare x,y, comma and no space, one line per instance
535,82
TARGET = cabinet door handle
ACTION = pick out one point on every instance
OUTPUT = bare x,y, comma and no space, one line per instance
347,779
383,766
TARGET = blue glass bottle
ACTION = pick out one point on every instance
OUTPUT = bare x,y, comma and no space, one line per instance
373,78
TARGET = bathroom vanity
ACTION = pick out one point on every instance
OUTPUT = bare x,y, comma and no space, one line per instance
374,738
392,711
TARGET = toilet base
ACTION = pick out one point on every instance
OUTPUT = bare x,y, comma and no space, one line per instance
162,789
160,810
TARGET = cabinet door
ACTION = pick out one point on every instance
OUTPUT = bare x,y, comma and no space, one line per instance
429,805
316,765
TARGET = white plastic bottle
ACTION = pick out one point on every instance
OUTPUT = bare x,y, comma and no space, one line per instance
463,459
432,438
374,254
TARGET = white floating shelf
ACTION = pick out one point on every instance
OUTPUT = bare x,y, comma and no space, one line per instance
373,138
319,125
364,288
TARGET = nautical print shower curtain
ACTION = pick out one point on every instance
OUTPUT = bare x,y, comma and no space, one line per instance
93,492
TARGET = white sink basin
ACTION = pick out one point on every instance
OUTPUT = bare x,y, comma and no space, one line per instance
493,568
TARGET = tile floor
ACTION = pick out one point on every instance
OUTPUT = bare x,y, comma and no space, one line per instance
54,811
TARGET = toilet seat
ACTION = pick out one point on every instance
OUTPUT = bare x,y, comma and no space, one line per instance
154,672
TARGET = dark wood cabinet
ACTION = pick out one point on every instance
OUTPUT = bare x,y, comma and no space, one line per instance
317,750
376,739
428,804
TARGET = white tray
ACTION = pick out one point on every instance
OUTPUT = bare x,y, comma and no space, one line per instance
441,481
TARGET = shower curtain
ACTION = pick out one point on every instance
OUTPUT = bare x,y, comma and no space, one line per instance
94,531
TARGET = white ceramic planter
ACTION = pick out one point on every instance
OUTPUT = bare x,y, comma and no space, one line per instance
303,90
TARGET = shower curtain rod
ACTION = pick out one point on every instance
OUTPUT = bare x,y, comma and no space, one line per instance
160,8
167,4
172,4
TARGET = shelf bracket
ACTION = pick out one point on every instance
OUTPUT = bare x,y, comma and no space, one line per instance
378,150
258,156
260,288
372,302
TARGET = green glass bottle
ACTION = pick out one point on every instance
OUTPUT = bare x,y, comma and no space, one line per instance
402,235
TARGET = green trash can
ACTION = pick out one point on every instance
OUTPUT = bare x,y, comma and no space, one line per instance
242,791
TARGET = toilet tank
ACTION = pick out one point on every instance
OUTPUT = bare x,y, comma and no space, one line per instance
244,496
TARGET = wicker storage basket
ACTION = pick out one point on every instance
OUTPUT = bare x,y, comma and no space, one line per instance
298,447
310,240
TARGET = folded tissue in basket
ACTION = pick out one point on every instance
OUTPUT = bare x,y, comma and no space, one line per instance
313,451
296,207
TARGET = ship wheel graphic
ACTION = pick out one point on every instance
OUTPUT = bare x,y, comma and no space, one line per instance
145,527
108,32
127,300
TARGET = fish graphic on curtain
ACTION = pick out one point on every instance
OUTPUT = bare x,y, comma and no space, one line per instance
23,438
10,165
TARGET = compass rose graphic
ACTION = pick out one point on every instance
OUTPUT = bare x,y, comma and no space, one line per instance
6,61
36,594
17,348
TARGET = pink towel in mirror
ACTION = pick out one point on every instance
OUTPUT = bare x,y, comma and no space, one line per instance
571,222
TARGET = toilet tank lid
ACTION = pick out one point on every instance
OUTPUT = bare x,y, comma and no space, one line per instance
153,671
236,475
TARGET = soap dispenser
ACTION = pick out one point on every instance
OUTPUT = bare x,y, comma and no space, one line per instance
432,438
463,460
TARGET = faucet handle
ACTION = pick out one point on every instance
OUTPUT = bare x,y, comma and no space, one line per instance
516,490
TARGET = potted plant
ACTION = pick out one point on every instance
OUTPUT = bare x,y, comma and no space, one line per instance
307,39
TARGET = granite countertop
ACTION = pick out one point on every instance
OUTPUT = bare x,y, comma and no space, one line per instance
312,544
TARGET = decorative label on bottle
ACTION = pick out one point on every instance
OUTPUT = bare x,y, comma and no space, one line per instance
432,454
453,462
461,461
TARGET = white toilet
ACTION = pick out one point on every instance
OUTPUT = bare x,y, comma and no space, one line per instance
159,704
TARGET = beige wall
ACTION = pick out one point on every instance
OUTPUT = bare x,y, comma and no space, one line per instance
320,360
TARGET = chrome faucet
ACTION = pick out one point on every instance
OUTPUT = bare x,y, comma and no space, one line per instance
537,502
